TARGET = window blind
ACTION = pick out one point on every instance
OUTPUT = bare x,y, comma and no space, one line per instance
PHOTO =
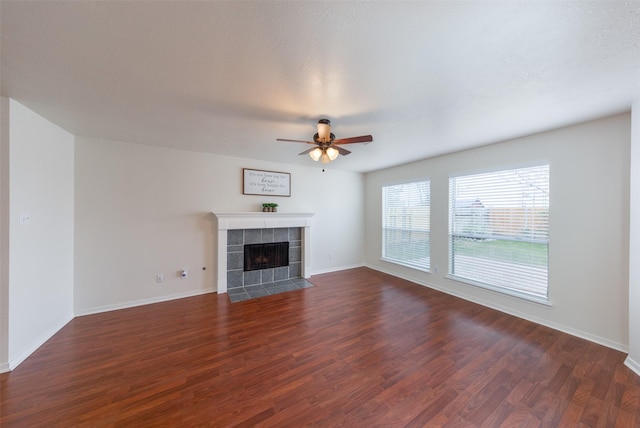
405,224
499,230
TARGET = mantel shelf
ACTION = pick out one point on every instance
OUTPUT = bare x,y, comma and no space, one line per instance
260,220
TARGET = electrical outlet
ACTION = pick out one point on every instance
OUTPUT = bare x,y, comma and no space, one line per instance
184,274
159,278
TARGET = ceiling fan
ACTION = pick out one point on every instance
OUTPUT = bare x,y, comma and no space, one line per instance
327,147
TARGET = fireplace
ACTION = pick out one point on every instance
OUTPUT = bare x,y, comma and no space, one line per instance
266,256
262,242
234,230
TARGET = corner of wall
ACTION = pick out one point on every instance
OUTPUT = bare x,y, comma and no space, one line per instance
38,156
632,365
634,241
4,234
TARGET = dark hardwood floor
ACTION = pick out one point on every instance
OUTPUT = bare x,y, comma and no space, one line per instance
359,349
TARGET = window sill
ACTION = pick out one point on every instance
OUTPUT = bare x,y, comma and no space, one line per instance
407,265
504,291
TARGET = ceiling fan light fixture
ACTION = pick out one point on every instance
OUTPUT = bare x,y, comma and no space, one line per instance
315,154
327,147
332,153
324,130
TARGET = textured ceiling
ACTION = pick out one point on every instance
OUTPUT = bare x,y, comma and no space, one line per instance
424,78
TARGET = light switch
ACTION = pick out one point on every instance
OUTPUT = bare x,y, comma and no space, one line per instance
25,218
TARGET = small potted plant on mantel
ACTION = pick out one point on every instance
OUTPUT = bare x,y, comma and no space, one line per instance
269,207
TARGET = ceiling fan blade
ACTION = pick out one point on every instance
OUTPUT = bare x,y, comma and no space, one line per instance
360,139
307,151
340,150
295,141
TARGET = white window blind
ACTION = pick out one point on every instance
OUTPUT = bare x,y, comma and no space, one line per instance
499,230
405,224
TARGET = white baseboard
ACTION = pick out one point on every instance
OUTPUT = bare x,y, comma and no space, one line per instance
633,365
560,327
134,303
336,269
24,354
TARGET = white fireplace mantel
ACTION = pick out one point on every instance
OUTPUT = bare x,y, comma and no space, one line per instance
259,220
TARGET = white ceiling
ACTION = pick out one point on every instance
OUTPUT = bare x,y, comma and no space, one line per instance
424,78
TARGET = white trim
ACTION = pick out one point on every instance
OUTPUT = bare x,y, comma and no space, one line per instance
134,303
407,265
337,269
25,353
259,220
500,290
632,365
560,327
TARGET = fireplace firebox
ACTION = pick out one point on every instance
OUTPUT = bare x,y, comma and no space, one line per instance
266,256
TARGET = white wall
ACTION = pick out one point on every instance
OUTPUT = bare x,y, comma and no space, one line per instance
143,210
589,232
633,360
40,281
4,234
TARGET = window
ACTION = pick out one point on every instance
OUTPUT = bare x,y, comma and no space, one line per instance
405,224
499,230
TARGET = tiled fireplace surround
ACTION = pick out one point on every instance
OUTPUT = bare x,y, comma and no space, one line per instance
236,229
238,238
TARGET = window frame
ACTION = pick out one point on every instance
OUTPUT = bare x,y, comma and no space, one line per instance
514,292
385,256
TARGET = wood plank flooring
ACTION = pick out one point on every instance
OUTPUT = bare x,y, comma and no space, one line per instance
359,349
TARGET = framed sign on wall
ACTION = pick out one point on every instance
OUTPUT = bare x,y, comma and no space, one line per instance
271,183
